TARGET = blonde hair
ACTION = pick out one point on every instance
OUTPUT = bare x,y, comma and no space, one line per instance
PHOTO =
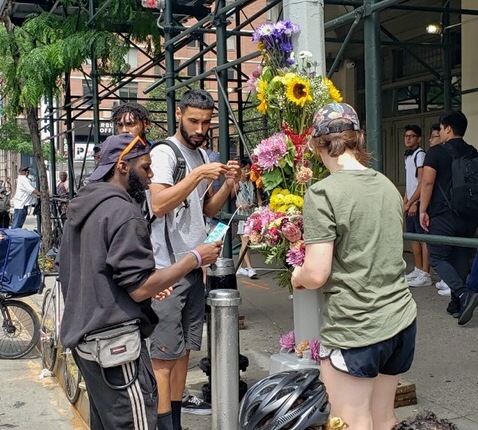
337,143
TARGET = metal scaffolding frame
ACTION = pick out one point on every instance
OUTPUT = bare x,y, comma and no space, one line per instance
216,20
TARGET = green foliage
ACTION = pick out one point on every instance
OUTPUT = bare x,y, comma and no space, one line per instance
14,137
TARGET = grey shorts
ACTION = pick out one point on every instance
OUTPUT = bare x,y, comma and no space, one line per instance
181,319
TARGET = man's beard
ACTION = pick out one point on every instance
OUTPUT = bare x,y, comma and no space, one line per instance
185,136
136,188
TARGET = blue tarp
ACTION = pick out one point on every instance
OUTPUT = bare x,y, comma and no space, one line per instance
19,271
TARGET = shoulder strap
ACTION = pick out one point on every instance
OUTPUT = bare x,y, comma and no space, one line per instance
180,170
415,160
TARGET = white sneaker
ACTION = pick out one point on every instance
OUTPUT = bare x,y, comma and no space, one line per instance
422,280
414,273
251,273
242,271
441,285
445,292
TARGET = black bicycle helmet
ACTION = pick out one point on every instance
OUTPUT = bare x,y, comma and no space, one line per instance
292,400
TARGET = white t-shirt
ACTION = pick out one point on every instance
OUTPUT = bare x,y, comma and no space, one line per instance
186,227
24,193
411,174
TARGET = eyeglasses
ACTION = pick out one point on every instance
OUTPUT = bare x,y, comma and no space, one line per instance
411,136
129,148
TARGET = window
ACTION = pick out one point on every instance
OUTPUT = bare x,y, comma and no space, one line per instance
88,91
129,92
193,43
231,74
132,58
231,43
193,69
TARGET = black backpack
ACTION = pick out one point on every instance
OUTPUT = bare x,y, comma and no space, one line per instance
178,175
463,199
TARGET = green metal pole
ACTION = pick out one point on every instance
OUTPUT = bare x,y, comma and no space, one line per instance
373,96
222,107
170,75
447,49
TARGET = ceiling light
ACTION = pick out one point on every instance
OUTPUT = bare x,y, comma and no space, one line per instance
434,29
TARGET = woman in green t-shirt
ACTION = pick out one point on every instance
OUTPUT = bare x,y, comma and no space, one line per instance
354,254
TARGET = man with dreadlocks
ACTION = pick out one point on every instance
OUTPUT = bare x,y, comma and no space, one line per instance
131,118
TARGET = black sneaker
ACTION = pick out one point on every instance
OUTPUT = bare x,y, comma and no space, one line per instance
469,301
196,406
453,308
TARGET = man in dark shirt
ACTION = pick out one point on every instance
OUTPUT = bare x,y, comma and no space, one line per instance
436,217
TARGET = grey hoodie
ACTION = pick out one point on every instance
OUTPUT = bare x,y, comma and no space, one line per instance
105,254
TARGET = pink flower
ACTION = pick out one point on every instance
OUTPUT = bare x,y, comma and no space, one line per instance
314,346
295,257
270,151
287,341
304,175
291,232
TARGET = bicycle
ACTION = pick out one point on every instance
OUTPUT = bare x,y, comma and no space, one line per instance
58,207
50,340
20,327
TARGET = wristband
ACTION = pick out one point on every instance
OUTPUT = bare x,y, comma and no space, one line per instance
198,258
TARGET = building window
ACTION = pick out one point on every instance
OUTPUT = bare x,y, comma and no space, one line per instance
132,58
88,91
193,69
193,43
231,74
231,43
129,93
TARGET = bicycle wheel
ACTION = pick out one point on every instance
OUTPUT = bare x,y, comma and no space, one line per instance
20,329
72,377
48,344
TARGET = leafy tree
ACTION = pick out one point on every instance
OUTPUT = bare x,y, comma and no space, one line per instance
36,55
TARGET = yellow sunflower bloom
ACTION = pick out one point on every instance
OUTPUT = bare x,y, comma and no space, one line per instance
298,91
261,95
333,91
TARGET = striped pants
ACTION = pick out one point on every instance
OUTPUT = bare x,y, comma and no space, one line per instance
132,408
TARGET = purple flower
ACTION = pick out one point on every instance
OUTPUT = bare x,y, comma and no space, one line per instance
314,346
295,256
287,341
270,151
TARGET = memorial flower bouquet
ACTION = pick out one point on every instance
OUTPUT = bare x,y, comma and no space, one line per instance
289,91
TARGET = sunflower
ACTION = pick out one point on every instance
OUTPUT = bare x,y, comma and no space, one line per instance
298,91
333,91
261,95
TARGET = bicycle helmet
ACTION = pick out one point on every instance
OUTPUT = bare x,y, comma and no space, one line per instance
293,400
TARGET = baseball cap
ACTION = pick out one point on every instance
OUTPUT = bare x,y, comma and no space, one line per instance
24,169
116,148
334,118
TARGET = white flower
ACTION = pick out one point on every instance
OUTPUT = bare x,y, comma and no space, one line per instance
305,54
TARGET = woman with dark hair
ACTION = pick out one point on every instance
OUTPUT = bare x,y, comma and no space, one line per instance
247,198
354,254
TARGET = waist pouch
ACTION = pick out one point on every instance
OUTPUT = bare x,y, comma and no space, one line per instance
114,346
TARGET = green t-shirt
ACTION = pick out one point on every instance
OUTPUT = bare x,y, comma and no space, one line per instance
366,298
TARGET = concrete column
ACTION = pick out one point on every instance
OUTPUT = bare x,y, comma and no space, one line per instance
309,15
469,65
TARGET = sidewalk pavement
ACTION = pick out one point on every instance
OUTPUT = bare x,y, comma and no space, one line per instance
444,370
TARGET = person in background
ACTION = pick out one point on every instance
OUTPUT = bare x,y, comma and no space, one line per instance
107,274
247,198
414,156
62,185
351,221
451,263
441,286
23,198
179,225
131,118
4,207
